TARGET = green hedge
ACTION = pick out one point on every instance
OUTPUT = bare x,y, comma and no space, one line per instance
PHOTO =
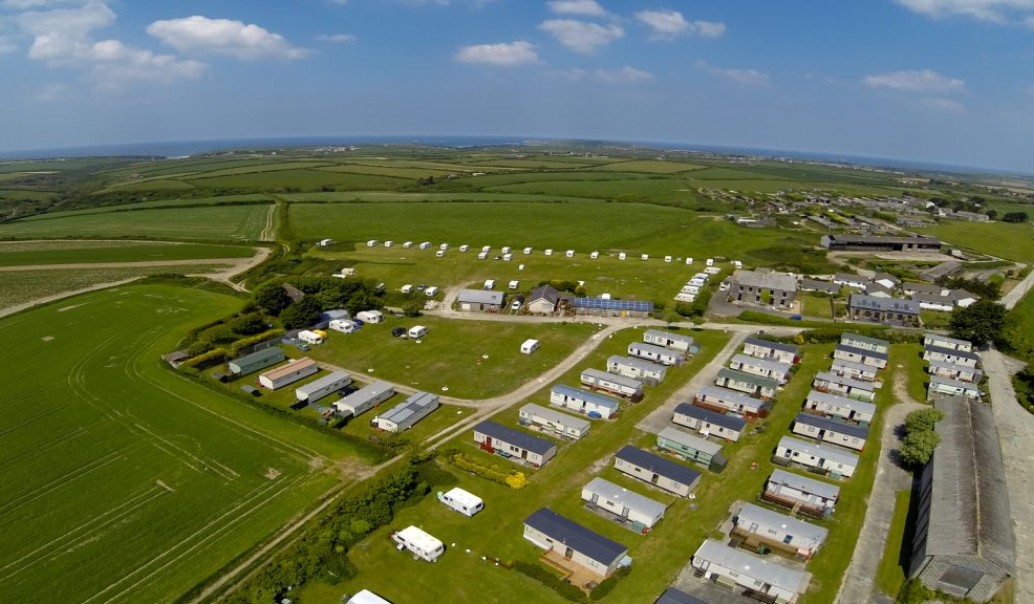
211,358
239,345
551,580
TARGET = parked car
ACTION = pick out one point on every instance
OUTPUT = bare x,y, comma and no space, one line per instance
302,346
398,332
516,305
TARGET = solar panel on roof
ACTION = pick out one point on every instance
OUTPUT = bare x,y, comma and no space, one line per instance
604,304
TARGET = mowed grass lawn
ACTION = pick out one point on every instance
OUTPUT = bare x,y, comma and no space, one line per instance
1001,239
20,253
123,481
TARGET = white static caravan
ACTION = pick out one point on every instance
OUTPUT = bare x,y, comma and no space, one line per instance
506,249
838,407
343,325
370,316
439,254
416,332
807,495
832,460
486,248
667,259
489,284
407,288
371,243
289,373
426,245
709,423
772,351
622,255
639,369
421,544
407,413
656,470
746,382
939,341
827,430
552,422
709,262
722,564
592,404
943,385
530,346
948,355
668,339
482,255
865,342
779,530
872,358
844,386
761,367
443,246
462,501
645,256
593,552
724,400
619,501
326,385
856,371
954,372
389,243
548,252
407,244
613,383
659,354
364,399
310,337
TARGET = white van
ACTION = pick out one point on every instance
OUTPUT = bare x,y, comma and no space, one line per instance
462,501
420,543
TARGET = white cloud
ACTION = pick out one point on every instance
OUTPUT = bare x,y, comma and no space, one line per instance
997,11
588,8
580,36
199,34
33,4
625,75
514,53
743,77
336,38
945,105
925,80
67,22
670,24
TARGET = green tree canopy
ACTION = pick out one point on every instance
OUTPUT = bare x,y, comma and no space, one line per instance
981,323
922,420
917,448
272,298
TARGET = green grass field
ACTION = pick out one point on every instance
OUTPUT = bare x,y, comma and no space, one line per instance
891,574
125,480
19,253
1001,239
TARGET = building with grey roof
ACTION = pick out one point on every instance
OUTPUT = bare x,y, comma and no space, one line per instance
839,407
771,351
962,373
887,311
853,370
950,355
859,355
815,285
480,300
760,288
659,354
407,413
829,459
670,339
707,422
575,543
775,370
513,444
941,341
855,340
656,470
690,447
778,531
826,430
623,503
638,369
801,493
674,596
832,383
618,382
730,566
942,386
723,400
751,384
554,422
873,243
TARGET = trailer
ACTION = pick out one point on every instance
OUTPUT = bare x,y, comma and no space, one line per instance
530,346
419,543
344,325
462,501
310,337
370,316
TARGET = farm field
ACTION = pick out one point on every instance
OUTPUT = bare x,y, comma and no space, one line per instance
1004,240
19,253
178,203
125,480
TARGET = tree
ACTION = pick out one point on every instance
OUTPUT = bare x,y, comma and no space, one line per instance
272,298
917,448
302,313
1015,217
248,325
981,322
922,420
991,213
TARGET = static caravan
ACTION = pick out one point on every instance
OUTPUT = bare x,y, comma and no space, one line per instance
639,369
426,245
513,444
668,339
838,407
779,372
553,422
344,325
806,495
834,461
659,354
578,545
859,355
622,503
691,448
514,284
667,259
462,501
482,255
746,382
569,253
416,332
486,248
656,470
645,256
778,531
772,351
431,291
364,399
932,340
856,371
865,343
952,371
723,400
505,249
593,405
948,355
844,386
326,385
595,255
365,596
613,383
267,357
724,565
370,316
310,337
826,430
288,373
944,386
407,413
421,544
707,422
530,346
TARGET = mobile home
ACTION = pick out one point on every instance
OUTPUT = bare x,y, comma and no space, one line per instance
578,545
639,369
658,471
267,357
691,448
945,386
364,399
838,407
949,355
553,422
417,332
865,343
856,371
778,531
419,543
462,501
823,429
707,422
723,400
592,404
668,339
807,495
831,460
326,385
938,341
724,565
860,355
746,382
620,385
952,371
513,444
844,386
772,351
288,373
769,369
407,413
659,354
622,503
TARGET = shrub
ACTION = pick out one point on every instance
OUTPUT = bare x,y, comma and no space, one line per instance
209,359
550,580
607,585
515,480
240,345
922,420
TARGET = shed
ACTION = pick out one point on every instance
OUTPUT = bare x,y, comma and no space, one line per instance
707,422
801,493
407,413
288,373
656,470
324,386
623,503
691,448
592,404
553,422
513,444
575,543
267,357
614,383
729,566
364,399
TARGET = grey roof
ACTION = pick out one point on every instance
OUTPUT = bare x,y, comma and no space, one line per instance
636,362
740,398
951,352
827,452
821,286
772,366
739,376
805,484
404,410
885,276
908,307
546,292
576,536
630,499
688,440
854,337
777,281
848,239
953,366
854,365
674,596
926,288
614,377
481,296
323,382
933,298
262,356
846,381
658,351
515,437
875,288
597,399
752,566
934,337
729,422
668,335
862,352
364,394
840,401
850,278
612,304
793,526
962,294
569,421
659,465
937,379
772,345
829,425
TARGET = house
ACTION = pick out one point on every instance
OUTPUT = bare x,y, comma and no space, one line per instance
762,288
942,386
733,567
364,399
552,422
933,340
480,300
609,307
952,371
668,339
407,413
903,313
745,382
814,285
639,369
614,383
807,495
933,302
658,471
288,373
543,300
324,386
844,386
948,355
852,370
593,405
707,422
865,343
872,243
834,461
851,436
755,366
622,503
723,400
872,358
513,444
573,543
964,543
691,448
343,325
419,543
758,526
849,280
838,407
267,357
660,354
911,288
771,351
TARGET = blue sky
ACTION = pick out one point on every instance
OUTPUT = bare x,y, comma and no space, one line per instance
949,81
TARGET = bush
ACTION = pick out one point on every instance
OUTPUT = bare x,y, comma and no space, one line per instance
922,420
515,480
240,345
607,585
917,448
209,359
550,580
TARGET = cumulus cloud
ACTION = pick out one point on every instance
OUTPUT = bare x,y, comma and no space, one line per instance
582,37
336,38
925,80
199,34
945,105
588,8
514,53
997,11
670,24
743,77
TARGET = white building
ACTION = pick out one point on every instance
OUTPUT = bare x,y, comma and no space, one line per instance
407,413
420,543
364,399
591,404
288,373
829,459
779,531
324,386
553,422
613,383
779,372
578,545
623,503
722,564
668,339
462,501
948,355
639,369
826,430
659,354
839,407
771,351
801,493
708,423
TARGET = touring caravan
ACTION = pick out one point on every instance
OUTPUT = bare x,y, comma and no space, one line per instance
462,501
421,544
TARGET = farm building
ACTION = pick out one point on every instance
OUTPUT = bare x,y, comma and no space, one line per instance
873,243
942,386
771,351
755,366
267,357
574,544
849,280
836,462
815,285
640,369
592,404
343,325
691,448
407,413
658,471
841,408
707,422
734,567
543,300
324,386
480,300
370,316
365,596
364,399
947,355
762,288
952,371
865,343
607,307
311,337
964,543
904,313
723,400
659,354
419,543
807,495
938,341
844,386
553,422
745,382
509,443
627,505
855,371
857,355
778,531
613,383
851,436
675,341
289,373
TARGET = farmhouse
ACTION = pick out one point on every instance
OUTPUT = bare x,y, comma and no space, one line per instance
480,300
836,462
406,414
728,566
771,351
707,422
952,371
628,505
658,471
665,356
613,383
933,340
851,436
879,310
574,544
691,448
640,369
288,373
807,495
326,385
745,382
267,357
510,443
364,399
856,371
755,366
723,400
553,422
592,404
964,543
844,386
814,285
671,340
778,531
948,355
543,300
838,407
762,288
857,355
944,386
607,307
865,343
872,243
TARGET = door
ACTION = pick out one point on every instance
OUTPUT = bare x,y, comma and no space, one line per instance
654,479
568,553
